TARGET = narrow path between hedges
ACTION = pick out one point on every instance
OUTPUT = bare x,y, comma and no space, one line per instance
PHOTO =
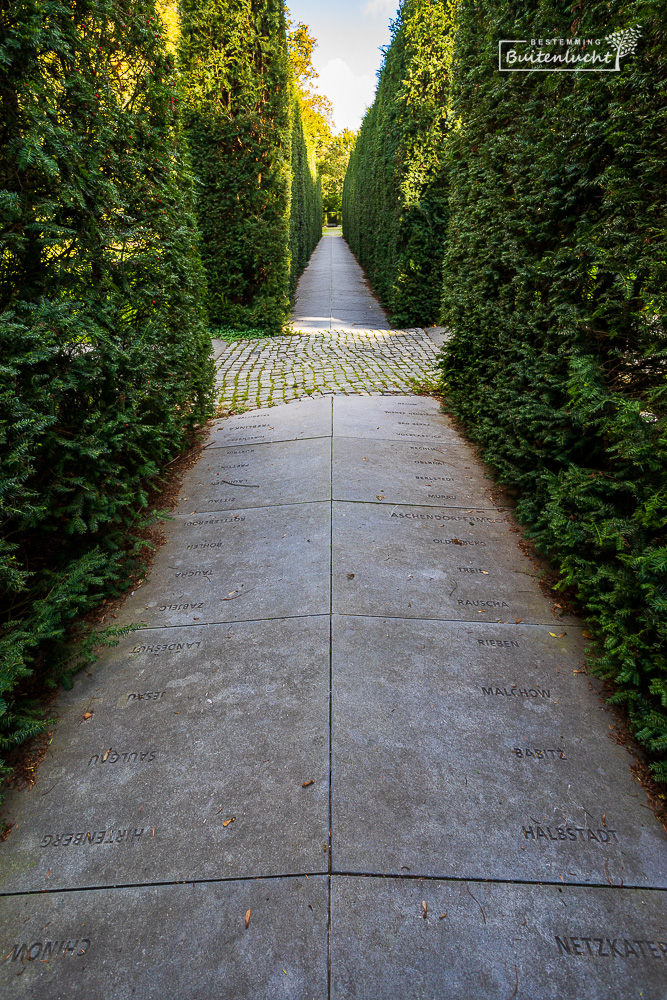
351,750
342,342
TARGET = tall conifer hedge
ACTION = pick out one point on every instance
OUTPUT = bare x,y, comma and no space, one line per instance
104,354
555,282
554,273
258,222
395,193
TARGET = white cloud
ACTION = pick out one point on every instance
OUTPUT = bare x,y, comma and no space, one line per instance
349,94
380,8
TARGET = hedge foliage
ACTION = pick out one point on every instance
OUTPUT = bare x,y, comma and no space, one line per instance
555,282
395,193
554,285
104,352
258,199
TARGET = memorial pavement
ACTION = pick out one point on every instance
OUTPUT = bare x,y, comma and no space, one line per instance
351,720
350,751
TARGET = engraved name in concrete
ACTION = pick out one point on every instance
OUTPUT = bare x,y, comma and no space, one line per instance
128,757
469,518
605,947
457,541
214,520
146,696
47,951
516,692
94,838
578,834
181,607
169,647
494,643
537,753
482,604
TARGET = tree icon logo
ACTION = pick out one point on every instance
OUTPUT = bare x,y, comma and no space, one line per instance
625,43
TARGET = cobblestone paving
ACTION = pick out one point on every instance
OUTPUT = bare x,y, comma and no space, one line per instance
255,373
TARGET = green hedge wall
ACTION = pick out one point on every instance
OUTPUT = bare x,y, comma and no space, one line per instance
555,280
395,193
104,354
306,197
246,136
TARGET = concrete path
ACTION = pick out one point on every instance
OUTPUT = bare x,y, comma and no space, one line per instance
350,753
333,293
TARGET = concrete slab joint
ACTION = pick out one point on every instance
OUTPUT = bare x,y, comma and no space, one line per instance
351,751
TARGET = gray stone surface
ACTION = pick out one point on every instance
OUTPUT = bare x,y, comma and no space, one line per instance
484,756
260,475
274,370
168,942
309,418
415,419
332,293
465,744
420,562
197,725
495,942
438,334
269,562
391,473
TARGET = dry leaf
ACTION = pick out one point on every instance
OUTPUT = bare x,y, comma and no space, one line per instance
247,919
485,572
425,909
518,621
350,576
553,634
228,821
307,783
586,634
87,715
442,915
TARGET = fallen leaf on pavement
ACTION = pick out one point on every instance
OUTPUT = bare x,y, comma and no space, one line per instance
228,821
424,908
307,783
247,919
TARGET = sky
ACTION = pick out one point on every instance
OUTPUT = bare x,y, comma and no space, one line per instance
347,56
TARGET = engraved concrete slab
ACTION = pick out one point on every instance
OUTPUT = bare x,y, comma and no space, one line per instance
495,942
305,418
416,562
238,565
388,472
168,941
182,756
415,418
258,475
484,756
